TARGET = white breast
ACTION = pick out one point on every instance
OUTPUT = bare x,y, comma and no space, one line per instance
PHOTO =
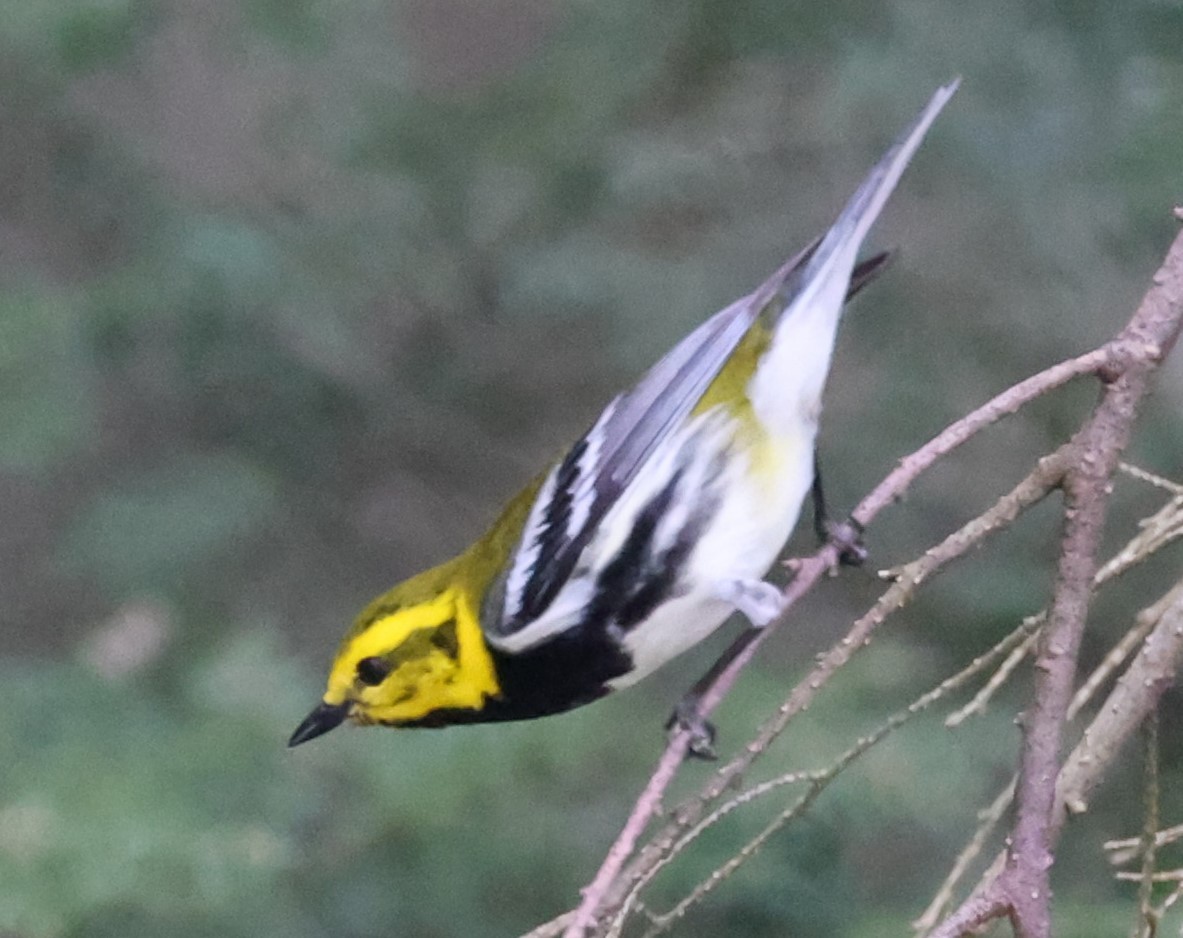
747,533
746,501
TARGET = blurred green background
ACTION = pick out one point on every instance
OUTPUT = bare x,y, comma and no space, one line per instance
295,293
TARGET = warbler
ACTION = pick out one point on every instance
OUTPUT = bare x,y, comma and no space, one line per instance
657,524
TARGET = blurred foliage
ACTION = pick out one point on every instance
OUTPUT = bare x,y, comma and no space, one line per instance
293,294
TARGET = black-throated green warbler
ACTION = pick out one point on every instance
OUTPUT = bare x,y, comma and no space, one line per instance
657,524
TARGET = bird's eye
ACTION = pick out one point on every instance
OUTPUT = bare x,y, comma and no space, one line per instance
372,671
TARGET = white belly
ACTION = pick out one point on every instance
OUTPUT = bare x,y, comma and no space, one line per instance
745,537
733,509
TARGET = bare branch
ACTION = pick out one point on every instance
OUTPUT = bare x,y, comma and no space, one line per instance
1096,448
978,704
992,815
818,782
987,821
1133,699
1090,460
1147,919
1031,490
1124,850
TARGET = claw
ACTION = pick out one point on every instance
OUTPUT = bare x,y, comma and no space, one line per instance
847,537
702,731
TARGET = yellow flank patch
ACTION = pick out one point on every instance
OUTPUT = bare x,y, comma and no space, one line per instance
437,657
769,455
730,387
769,458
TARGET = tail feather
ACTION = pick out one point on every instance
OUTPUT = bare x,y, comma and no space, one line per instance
866,271
833,259
809,290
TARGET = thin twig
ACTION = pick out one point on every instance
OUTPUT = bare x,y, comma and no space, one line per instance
1024,886
1147,921
987,821
992,815
1029,491
1123,850
1125,362
1170,900
978,704
1162,876
1137,472
819,780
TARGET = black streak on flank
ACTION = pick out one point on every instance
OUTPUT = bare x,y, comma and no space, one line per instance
639,580
636,581
656,588
574,667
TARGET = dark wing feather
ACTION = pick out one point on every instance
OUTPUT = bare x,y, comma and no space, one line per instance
580,491
589,479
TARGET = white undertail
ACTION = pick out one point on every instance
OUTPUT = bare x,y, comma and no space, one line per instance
787,385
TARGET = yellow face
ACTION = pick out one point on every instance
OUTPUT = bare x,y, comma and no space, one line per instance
408,656
419,648
409,661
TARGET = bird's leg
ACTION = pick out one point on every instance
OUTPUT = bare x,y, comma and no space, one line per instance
760,603
686,715
846,535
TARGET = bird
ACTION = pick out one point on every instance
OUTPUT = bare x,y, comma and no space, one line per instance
647,534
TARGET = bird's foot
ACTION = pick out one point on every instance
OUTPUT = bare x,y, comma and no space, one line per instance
760,602
847,537
686,717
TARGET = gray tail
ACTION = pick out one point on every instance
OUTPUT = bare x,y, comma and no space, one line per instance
834,256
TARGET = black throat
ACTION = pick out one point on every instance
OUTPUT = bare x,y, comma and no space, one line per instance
569,670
